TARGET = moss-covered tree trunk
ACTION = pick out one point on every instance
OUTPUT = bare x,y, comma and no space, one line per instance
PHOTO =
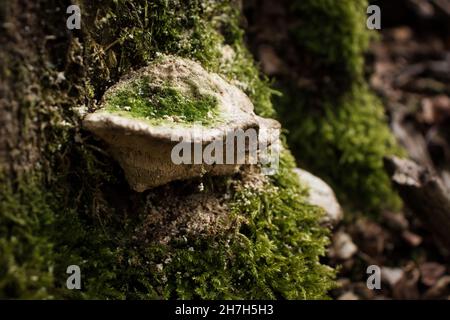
337,125
64,200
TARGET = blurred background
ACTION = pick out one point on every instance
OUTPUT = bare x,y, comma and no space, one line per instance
407,67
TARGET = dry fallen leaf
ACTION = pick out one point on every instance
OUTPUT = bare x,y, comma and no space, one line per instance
431,272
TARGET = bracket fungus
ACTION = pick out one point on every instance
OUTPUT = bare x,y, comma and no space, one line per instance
171,106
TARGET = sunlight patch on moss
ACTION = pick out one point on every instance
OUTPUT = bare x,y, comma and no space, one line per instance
139,99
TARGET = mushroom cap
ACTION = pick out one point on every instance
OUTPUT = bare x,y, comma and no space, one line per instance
143,146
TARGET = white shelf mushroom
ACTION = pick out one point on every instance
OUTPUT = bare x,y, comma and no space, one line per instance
145,146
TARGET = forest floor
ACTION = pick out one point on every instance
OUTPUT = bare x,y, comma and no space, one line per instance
409,69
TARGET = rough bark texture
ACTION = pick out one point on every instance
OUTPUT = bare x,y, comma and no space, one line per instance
19,148
424,193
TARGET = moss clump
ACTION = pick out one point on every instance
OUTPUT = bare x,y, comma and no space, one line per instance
345,143
125,35
270,249
25,247
283,236
240,68
275,234
339,44
337,126
139,99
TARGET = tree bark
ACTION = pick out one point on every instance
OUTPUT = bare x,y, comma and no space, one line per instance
425,194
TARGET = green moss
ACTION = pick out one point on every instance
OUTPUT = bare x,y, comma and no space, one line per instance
241,70
337,127
283,236
139,99
272,251
125,34
335,33
345,143
25,260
